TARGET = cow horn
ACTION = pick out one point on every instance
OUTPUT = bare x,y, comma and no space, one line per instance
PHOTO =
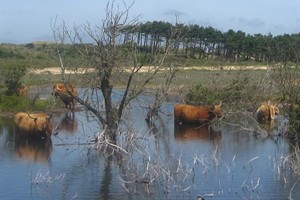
220,103
31,117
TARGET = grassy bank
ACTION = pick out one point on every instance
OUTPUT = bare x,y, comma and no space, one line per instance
11,104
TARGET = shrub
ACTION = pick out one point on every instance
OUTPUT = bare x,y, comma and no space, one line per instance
286,78
13,78
238,94
14,103
200,95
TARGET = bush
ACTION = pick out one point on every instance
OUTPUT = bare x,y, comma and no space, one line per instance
200,95
13,79
239,93
286,78
294,121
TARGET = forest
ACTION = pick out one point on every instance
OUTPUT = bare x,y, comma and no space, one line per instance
195,42
200,42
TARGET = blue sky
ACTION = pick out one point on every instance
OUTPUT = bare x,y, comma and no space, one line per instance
24,21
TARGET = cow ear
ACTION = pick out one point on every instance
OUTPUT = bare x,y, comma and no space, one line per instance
212,107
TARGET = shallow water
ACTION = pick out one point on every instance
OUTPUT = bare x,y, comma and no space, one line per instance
226,162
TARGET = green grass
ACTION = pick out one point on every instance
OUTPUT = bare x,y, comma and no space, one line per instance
20,103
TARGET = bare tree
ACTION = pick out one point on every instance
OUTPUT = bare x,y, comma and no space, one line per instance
107,61
160,94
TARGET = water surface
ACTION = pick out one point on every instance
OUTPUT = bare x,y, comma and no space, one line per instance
167,162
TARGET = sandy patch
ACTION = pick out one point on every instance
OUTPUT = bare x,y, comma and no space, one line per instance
57,70
228,68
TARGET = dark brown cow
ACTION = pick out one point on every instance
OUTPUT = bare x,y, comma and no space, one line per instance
65,93
38,125
188,114
190,132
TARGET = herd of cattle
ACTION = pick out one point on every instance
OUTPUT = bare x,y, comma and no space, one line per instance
39,124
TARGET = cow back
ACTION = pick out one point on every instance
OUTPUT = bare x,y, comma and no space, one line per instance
195,114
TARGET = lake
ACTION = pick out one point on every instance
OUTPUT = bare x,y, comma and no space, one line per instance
228,161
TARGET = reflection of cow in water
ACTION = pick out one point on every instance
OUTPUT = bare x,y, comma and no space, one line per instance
68,123
33,149
190,132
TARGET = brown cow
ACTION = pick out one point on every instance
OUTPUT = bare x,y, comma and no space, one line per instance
38,125
190,132
266,112
66,93
188,114
23,90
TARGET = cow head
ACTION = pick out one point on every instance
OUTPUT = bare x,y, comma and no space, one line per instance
217,110
55,90
43,123
273,110
276,109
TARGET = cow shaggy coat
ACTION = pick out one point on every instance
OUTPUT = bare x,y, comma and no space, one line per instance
34,124
188,114
66,94
23,91
267,112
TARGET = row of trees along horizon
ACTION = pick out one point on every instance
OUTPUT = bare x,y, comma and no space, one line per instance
209,43
198,42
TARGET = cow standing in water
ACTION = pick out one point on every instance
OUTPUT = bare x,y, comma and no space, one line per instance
188,114
267,112
34,125
66,94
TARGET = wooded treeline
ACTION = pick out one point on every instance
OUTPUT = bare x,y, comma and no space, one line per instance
209,43
195,42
